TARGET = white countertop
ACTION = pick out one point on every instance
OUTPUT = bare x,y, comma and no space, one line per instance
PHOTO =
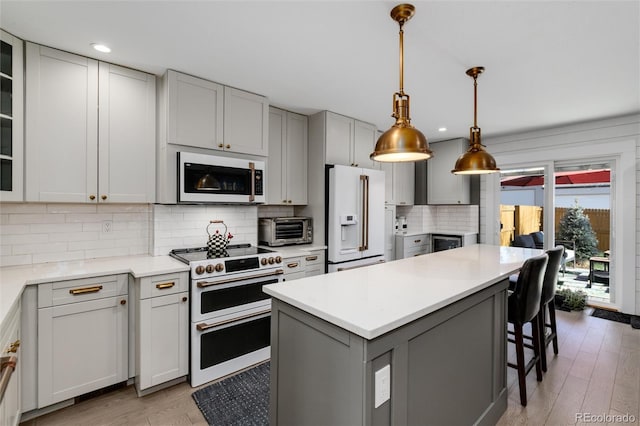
374,300
14,278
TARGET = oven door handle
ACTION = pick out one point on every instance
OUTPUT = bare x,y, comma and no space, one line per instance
203,284
204,326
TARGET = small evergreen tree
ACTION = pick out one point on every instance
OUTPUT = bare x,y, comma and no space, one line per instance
575,226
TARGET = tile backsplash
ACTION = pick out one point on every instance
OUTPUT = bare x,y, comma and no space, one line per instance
182,226
42,232
428,218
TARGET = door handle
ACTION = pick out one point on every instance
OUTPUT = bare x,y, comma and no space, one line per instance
204,326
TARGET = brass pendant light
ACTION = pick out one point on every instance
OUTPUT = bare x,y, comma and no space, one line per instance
402,142
476,160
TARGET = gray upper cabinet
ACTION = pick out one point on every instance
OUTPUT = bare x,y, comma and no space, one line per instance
208,115
88,124
246,122
287,161
349,141
443,187
195,111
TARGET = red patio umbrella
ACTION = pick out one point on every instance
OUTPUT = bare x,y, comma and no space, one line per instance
562,178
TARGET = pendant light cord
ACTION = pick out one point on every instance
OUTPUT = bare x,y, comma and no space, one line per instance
475,101
401,60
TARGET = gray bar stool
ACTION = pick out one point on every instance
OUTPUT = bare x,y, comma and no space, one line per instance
523,306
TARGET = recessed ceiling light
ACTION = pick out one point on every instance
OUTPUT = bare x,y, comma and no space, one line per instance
101,47
442,129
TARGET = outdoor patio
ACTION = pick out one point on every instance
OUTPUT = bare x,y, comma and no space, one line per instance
578,279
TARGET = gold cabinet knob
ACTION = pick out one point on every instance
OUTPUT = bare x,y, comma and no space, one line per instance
104,197
92,197
284,201
123,302
228,146
184,299
220,145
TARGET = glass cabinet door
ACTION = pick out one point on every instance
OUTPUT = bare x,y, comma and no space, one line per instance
11,118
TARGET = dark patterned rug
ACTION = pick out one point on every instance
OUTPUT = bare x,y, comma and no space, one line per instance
634,320
242,399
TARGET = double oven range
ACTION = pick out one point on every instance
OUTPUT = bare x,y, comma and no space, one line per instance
230,314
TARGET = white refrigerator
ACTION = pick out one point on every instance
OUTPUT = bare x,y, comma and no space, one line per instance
355,218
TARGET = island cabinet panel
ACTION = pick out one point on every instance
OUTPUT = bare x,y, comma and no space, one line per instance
448,367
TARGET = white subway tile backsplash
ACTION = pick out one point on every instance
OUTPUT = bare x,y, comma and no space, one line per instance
61,227
25,259
71,208
13,229
36,247
40,232
59,257
23,208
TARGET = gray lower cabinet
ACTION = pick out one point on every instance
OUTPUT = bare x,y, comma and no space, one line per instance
82,337
162,331
446,368
293,268
412,245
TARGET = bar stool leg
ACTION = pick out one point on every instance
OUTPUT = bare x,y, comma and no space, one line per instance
540,319
535,328
522,382
552,322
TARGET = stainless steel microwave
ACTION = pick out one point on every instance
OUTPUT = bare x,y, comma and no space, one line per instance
282,231
212,179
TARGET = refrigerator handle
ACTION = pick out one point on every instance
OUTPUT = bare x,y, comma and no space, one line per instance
364,179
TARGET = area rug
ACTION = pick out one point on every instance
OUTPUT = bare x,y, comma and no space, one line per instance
634,320
242,399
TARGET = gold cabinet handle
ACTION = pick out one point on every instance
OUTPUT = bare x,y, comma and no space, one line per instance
92,197
311,258
228,146
220,145
184,298
7,367
284,201
416,241
123,302
104,197
13,348
292,265
165,285
85,290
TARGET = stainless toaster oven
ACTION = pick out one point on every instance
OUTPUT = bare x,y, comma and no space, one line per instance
282,231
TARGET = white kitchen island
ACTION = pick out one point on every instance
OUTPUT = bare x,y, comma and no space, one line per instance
438,321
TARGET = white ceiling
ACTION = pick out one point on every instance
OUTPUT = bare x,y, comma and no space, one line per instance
547,62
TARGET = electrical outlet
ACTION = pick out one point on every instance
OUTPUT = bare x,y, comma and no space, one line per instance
382,391
107,225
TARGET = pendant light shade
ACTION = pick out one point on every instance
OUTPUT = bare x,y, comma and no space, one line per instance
402,142
476,160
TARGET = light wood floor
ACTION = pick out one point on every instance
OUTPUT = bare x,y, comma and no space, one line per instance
596,372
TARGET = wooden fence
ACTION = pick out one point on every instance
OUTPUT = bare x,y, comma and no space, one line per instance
518,220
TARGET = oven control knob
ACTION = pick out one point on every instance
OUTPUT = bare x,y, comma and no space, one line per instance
271,260
219,267
263,261
209,269
278,259
200,270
